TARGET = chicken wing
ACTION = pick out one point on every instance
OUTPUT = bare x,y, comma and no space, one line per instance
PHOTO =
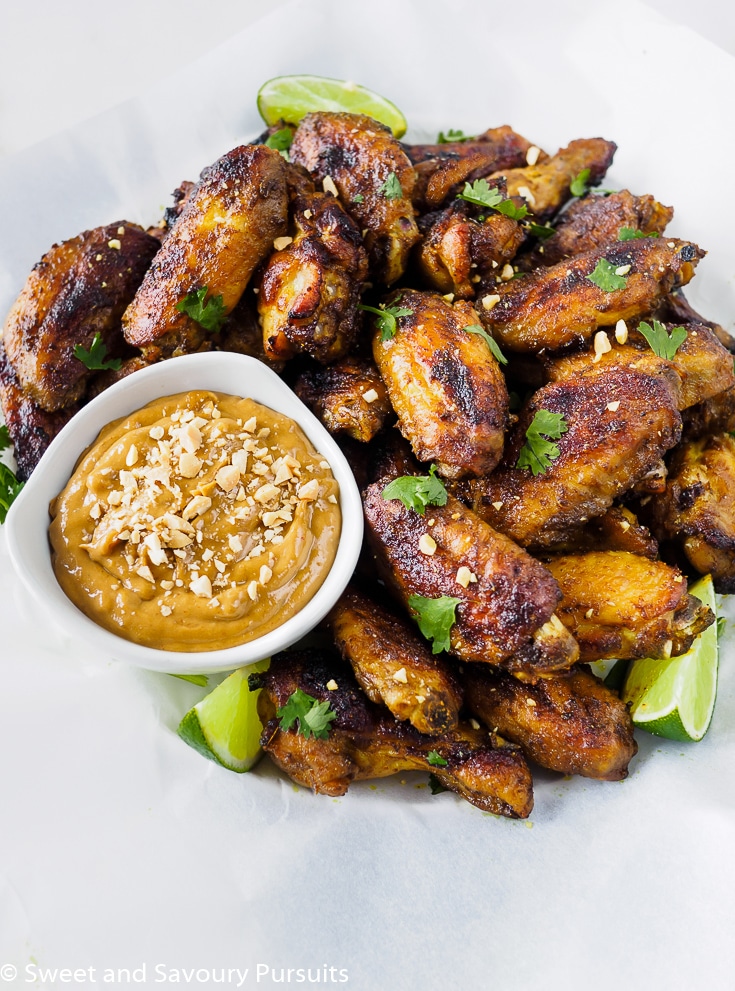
444,384
374,178
229,223
571,723
561,305
309,289
393,665
77,291
505,600
365,741
348,397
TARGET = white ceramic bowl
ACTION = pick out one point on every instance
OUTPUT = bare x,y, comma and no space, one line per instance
28,519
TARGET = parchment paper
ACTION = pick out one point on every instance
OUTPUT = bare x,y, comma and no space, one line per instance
127,856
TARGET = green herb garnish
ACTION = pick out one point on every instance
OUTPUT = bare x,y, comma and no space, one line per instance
435,759
358,198
631,234
606,278
9,489
391,188
435,785
312,717
417,491
94,359
280,140
435,618
5,440
387,316
662,343
452,137
481,193
210,315
475,328
580,184
542,231
538,452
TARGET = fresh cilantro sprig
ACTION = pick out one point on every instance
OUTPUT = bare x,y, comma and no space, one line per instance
606,278
435,759
662,343
580,184
280,140
94,358
5,440
387,317
10,486
435,785
538,451
392,188
475,328
311,716
481,193
435,618
417,491
632,234
210,314
542,231
452,137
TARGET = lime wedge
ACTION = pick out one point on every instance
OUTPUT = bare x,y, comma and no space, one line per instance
225,726
675,697
289,98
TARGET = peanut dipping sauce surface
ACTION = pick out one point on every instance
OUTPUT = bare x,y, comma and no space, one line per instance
200,522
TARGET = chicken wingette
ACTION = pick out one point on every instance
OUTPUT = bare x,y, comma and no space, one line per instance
505,599
348,397
361,160
567,302
444,383
309,289
227,227
393,665
365,741
571,723
75,294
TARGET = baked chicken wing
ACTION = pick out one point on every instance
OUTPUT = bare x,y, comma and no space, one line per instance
348,397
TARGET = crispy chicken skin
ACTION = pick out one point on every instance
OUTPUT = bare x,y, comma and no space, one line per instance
360,156
456,249
593,221
393,665
442,170
559,305
444,384
570,723
366,741
619,423
348,397
713,416
544,187
31,428
505,616
697,510
620,605
80,288
226,228
309,290
618,529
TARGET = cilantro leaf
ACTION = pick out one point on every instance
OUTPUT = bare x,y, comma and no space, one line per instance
435,759
358,198
9,489
417,491
313,717
452,136
662,343
538,452
280,140
435,618
94,359
721,626
391,188
480,193
475,328
387,317
541,231
4,437
606,277
509,208
435,785
631,233
580,184
210,315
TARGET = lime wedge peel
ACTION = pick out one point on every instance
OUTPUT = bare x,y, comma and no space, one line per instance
224,726
675,697
290,98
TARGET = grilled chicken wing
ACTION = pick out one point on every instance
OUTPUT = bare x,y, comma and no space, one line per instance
394,666
593,221
505,613
457,250
445,385
348,397
544,187
226,228
697,509
79,289
713,416
309,289
619,425
365,741
560,305
31,428
570,723
620,605
618,529
374,178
